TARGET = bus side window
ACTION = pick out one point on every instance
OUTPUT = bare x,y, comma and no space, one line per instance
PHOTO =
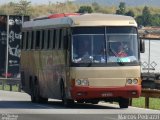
65,39
23,39
63,43
48,39
68,37
37,40
57,39
32,40
45,38
42,39
54,39
27,40
60,39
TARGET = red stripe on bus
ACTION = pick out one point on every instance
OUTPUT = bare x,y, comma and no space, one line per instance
79,93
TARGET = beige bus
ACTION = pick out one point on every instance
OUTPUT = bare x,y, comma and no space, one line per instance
83,58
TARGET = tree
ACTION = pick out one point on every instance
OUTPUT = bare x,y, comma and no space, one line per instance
146,16
22,8
122,8
85,9
139,20
130,13
96,6
155,20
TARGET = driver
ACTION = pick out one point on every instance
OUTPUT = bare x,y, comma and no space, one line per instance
84,49
84,52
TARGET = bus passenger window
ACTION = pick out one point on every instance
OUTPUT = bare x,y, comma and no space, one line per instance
48,39
45,39
57,38
32,39
60,39
51,39
64,41
54,39
42,39
22,41
27,40
37,44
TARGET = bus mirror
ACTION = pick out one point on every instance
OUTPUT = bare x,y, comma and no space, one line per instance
142,46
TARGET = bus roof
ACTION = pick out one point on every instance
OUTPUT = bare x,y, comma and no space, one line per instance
94,19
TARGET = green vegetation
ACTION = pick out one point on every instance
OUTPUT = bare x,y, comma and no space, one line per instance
85,9
146,16
154,103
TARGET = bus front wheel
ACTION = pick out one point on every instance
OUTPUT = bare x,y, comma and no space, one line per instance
123,102
66,102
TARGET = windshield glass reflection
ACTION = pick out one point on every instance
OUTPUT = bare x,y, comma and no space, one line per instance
112,47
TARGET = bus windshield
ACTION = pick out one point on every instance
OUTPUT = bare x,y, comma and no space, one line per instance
104,45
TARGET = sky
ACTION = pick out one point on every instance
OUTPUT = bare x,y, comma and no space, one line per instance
34,1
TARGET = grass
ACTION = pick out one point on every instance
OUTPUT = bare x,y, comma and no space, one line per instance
154,103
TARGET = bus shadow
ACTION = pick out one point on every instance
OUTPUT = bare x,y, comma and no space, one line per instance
49,105
59,105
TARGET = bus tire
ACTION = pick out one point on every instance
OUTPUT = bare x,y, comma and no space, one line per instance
35,93
80,101
123,102
66,102
32,94
94,102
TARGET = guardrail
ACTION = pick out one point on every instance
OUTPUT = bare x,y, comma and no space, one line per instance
10,82
150,93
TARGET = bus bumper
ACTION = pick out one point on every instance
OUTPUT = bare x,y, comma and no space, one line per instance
79,93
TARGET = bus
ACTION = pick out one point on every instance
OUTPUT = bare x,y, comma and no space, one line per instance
53,65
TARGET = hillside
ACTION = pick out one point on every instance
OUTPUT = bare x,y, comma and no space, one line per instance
155,3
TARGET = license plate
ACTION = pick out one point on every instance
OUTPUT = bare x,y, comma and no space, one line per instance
107,94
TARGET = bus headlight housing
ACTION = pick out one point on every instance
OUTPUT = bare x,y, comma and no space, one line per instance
129,81
133,81
78,82
85,82
82,82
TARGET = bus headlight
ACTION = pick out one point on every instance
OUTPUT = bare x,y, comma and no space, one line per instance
135,81
129,81
85,82
78,82
82,82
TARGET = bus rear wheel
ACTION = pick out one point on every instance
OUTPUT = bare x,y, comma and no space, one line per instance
35,94
123,102
66,102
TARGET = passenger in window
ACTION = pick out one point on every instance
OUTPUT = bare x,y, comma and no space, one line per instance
128,50
121,51
84,53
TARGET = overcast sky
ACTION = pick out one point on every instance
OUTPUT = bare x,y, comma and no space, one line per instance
34,1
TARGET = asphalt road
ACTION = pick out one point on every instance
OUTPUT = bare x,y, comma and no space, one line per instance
17,106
